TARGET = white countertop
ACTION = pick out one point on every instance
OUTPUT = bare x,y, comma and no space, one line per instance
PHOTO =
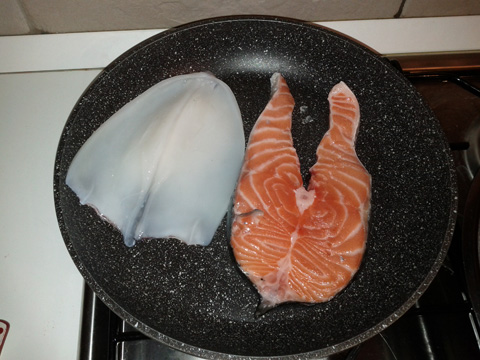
41,78
40,288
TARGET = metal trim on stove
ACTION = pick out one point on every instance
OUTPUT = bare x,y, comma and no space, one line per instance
471,245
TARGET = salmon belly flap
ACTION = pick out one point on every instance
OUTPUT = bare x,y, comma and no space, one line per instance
297,244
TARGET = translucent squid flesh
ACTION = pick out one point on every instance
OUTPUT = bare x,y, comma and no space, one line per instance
166,164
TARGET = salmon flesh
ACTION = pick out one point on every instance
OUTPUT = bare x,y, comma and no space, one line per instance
300,244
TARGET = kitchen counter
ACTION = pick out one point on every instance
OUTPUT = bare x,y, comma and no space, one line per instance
41,78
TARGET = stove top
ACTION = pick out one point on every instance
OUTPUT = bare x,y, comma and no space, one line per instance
445,322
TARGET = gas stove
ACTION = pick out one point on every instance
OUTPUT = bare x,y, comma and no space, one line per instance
445,322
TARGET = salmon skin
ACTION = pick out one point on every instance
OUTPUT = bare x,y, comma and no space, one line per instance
297,244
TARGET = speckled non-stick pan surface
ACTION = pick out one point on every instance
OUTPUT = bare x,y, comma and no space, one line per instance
194,298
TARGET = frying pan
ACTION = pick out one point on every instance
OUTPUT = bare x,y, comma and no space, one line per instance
194,298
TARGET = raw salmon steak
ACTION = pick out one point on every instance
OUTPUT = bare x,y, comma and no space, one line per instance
297,244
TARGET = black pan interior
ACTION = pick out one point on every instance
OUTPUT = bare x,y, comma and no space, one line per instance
194,298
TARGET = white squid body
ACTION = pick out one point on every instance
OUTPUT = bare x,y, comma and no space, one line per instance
166,164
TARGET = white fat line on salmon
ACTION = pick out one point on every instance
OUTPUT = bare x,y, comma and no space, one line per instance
280,142
275,106
348,237
333,145
249,252
343,100
339,97
343,184
282,273
314,238
324,270
345,105
279,221
275,281
251,182
268,129
343,121
330,235
351,180
266,119
278,239
271,161
339,108
285,223
333,153
270,122
325,274
278,92
244,199
267,151
326,172
349,140
275,117
274,246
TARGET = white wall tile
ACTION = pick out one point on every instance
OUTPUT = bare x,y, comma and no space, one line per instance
97,15
12,19
64,16
425,8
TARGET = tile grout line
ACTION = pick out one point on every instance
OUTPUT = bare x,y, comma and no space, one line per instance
400,10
